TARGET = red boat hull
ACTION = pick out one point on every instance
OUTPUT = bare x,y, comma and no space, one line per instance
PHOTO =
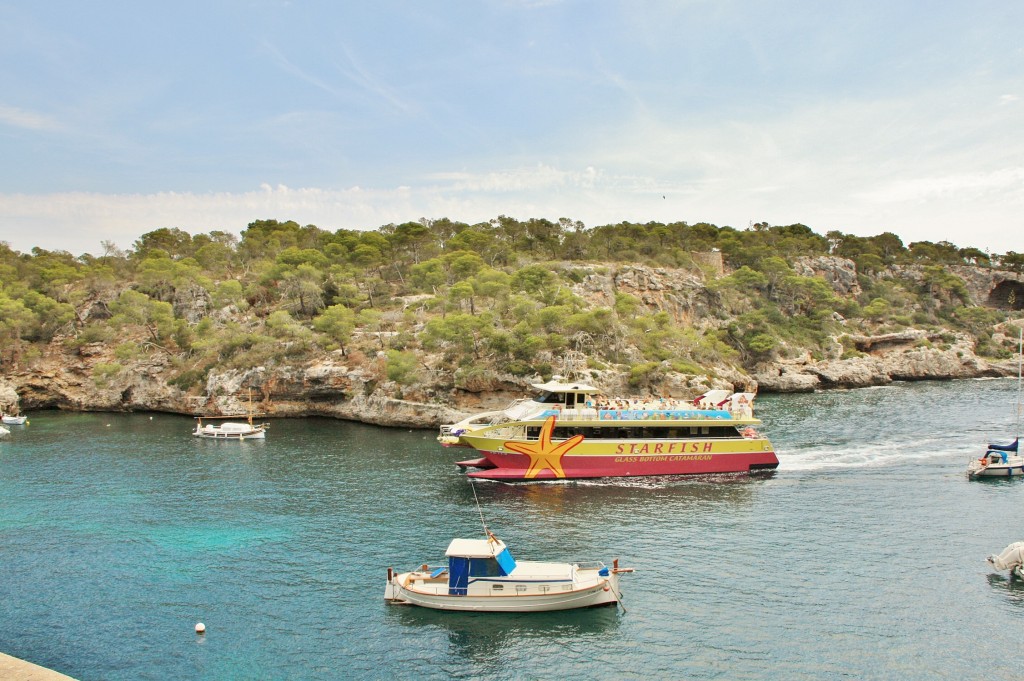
512,466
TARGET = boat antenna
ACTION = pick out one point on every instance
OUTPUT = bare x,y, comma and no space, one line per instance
487,532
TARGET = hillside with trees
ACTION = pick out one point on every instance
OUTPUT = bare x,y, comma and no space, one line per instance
436,311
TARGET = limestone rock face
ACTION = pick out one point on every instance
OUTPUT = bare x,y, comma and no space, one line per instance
680,293
840,273
906,356
8,397
982,282
191,303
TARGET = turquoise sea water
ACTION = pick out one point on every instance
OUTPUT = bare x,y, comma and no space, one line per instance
862,557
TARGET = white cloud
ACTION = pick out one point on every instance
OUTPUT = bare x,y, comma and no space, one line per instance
19,118
998,185
957,208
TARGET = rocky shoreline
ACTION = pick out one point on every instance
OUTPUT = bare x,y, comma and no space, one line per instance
330,386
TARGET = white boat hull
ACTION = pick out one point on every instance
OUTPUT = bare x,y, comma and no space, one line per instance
4,431
1012,467
13,420
216,433
600,593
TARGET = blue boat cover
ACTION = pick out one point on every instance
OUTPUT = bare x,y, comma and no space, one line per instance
506,562
1012,447
458,576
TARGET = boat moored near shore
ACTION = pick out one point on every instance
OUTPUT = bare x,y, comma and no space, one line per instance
230,430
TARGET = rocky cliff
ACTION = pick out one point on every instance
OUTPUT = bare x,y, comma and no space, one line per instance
328,386
88,377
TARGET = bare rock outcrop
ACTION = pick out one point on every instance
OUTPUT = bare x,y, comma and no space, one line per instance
904,356
840,273
9,402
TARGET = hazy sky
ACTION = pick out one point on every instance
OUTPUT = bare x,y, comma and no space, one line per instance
118,118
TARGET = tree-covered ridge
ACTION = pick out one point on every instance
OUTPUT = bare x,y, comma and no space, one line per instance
507,294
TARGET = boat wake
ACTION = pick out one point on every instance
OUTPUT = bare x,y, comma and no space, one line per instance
871,455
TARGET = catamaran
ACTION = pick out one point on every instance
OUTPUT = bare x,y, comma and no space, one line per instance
571,430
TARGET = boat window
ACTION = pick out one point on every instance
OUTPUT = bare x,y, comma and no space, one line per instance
497,587
520,587
483,567
552,398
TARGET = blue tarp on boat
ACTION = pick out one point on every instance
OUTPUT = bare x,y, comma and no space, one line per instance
1012,447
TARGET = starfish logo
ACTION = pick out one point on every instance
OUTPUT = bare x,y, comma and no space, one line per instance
543,453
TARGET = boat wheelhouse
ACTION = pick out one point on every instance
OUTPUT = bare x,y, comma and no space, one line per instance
571,430
481,575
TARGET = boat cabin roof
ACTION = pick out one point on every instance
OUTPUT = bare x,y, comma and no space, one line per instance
232,426
475,548
558,387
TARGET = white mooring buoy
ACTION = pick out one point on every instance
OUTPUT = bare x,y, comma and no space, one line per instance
200,628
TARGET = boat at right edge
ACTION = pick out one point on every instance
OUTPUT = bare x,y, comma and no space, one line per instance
572,431
1004,460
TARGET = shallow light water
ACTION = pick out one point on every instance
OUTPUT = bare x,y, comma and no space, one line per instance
861,557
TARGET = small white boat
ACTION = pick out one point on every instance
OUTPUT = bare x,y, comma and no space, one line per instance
1012,559
1000,461
4,431
230,430
9,420
1003,460
482,576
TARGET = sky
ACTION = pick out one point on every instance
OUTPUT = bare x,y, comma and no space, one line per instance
866,116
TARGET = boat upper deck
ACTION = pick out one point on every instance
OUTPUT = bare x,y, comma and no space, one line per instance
584,404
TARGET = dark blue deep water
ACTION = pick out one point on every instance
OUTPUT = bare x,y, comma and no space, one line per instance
862,557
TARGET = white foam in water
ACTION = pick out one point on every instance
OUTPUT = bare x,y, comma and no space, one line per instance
873,454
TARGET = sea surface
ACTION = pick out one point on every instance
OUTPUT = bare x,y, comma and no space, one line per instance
861,557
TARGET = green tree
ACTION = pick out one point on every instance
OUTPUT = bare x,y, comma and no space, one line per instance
133,308
336,322
401,366
15,319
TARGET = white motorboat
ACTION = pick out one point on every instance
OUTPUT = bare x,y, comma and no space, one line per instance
1003,460
230,430
1011,558
9,420
482,576
4,432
